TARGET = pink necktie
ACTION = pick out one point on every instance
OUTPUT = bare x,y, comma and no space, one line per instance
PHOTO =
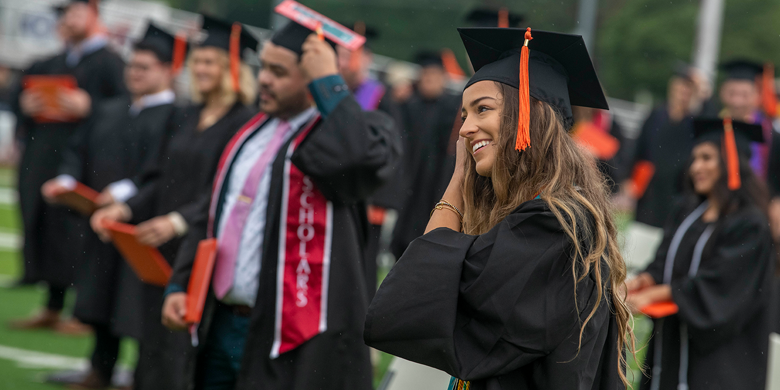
228,243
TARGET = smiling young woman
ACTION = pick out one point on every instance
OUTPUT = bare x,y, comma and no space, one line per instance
514,285
715,264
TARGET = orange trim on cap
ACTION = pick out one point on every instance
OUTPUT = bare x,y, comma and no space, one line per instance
235,55
524,119
732,157
179,53
768,96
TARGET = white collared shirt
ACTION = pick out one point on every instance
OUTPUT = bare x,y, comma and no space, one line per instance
250,252
153,100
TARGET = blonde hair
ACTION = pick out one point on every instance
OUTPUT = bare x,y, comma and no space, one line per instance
574,190
247,91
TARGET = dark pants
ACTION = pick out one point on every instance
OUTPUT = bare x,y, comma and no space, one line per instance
221,356
105,353
56,298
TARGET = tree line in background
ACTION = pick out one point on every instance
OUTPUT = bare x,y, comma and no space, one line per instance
638,42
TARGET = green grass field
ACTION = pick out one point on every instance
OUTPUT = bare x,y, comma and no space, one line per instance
22,366
27,356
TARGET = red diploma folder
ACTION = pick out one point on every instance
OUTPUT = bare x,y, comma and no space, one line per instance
147,262
660,309
200,280
80,198
49,88
640,178
311,19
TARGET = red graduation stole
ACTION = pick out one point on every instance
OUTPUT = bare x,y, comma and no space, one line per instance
305,235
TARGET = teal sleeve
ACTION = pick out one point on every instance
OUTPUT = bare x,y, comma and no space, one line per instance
328,92
173,288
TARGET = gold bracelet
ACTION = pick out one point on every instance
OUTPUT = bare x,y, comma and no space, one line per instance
442,206
451,205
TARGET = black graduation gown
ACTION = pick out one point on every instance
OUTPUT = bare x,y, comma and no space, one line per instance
179,181
668,146
52,234
348,155
427,167
724,306
498,309
112,146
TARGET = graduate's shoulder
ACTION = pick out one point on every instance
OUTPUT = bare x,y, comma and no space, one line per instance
749,220
113,105
534,212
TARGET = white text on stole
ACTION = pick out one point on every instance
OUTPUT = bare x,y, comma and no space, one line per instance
305,234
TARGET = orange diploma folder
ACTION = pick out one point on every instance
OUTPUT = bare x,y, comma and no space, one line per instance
146,262
49,88
600,143
660,309
640,178
200,280
80,198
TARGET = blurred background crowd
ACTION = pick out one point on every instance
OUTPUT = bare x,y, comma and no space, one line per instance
661,63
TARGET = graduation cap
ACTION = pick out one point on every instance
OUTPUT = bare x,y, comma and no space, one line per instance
60,9
492,17
165,46
292,36
233,38
426,58
552,67
366,30
682,70
221,33
735,138
742,69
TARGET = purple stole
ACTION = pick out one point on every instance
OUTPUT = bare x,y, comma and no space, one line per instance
369,94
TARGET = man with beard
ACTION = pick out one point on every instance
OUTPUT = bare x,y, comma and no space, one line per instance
51,234
288,296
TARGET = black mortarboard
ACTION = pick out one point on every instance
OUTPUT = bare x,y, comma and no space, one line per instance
734,138
560,71
711,130
489,17
219,35
742,69
158,41
292,36
428,58
60,8
682,70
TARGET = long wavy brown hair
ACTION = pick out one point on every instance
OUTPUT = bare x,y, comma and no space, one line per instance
573,188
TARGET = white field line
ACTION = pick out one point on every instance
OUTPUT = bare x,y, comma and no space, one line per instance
41,360
8,196
10,241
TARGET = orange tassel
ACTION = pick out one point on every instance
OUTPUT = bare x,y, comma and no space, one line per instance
768,96
356,56
524,120
732,157
235,55
451,64
320,33
179,53
503,18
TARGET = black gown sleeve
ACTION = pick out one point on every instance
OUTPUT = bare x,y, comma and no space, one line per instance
732,280
351,153
773,168
76,153
483,306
